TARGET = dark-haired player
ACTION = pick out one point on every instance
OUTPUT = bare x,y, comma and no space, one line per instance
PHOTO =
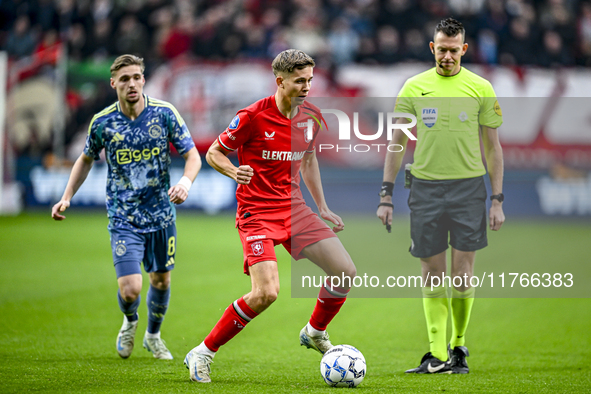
455,108
272,151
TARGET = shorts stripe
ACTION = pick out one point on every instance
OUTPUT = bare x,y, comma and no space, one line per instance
240,311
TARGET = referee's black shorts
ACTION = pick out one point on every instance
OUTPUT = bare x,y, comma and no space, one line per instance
454,207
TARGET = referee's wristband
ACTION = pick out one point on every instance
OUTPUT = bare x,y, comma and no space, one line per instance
387,189
386,204
186,182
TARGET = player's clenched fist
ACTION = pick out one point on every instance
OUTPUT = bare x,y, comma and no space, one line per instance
59,208
244,174
178,194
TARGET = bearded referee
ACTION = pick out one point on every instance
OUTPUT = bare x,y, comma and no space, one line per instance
455,109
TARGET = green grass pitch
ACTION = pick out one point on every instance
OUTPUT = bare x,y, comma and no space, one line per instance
59,317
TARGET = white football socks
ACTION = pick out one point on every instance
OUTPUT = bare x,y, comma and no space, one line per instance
314,332
155,335
202,349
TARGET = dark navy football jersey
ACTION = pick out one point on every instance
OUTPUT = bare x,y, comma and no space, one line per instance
138,157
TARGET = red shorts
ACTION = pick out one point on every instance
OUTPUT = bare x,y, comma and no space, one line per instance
294,228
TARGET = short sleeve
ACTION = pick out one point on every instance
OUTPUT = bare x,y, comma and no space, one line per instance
94,142
179,134
404,101
237,132
490,114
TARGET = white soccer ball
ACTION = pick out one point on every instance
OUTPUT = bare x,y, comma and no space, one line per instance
343,366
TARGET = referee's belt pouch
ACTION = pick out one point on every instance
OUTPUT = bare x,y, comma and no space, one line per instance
407,176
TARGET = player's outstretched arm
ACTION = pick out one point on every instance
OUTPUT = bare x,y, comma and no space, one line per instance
493,152
391,167
311,176
179,192
217,157
79,173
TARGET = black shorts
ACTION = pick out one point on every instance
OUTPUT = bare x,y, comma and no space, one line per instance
437,208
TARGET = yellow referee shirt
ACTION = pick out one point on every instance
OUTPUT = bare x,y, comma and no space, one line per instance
449,112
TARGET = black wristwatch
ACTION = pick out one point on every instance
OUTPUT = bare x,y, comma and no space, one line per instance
499,197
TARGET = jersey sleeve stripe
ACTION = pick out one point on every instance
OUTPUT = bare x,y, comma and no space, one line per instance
107,110
104,112
163,104
224,146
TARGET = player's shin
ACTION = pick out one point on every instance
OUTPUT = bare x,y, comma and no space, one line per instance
329,303
235,318
461,307
435,304
157,301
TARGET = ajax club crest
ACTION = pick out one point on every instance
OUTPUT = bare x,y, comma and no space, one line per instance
120,249
155,131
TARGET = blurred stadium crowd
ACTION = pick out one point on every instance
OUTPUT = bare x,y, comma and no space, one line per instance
207,55
337,32
37,34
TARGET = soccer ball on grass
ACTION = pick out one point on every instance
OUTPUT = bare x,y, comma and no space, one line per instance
343,366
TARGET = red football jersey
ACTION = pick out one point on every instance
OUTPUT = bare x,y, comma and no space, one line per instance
274,147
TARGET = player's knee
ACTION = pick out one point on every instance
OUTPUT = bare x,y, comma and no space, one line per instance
130,293
268,296
160,283
350,271
462,268
462,273
160,280
436,272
